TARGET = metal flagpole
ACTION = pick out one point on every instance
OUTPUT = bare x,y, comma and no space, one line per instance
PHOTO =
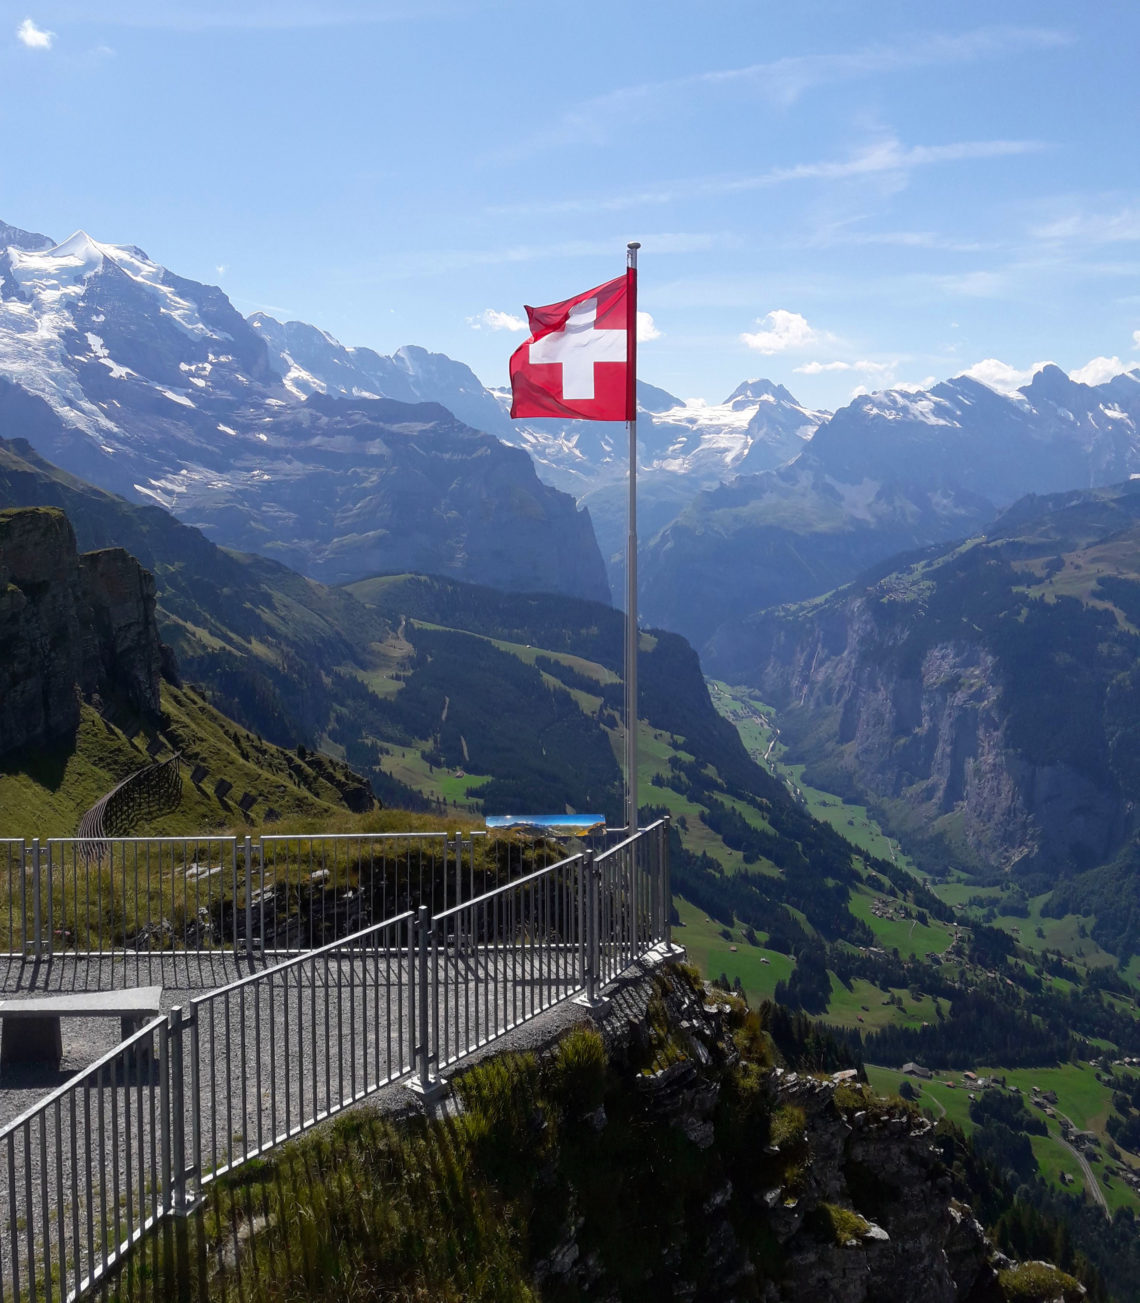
631,632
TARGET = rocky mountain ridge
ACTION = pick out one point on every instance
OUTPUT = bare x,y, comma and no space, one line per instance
683,446
155,387
888,473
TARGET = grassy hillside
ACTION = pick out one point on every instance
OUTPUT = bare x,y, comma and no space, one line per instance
44,794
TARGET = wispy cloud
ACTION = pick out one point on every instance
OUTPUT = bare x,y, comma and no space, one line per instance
429,262
1083,227
598,119
887,156
842,235
973,284
35,38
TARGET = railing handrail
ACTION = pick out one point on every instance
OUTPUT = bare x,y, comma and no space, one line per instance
302,958
194,837
364,836
507,886
80,1078
602,855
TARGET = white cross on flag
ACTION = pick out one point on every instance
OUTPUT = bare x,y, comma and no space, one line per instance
579,361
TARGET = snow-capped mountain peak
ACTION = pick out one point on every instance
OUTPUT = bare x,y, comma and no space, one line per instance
758,391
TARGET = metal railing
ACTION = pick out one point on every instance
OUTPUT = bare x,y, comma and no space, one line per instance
270,896
501,958
87,1170
203,1089
273,1054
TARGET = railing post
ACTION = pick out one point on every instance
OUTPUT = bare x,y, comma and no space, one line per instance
37,902
248,895
23,897
183,1199
591,905
166,1158
234,902
666,887
423,1083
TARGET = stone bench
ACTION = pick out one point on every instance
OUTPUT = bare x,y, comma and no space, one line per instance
31,1028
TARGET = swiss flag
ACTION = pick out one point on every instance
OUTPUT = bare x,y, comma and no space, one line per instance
580,359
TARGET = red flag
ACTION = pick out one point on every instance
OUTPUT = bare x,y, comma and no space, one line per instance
580,360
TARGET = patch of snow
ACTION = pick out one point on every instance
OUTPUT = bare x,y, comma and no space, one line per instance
175,398
897,404
226,429
118,372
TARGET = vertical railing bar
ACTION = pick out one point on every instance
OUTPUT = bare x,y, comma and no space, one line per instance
128,1166
196,1099
313,1038
229,1136
243,1049
164,1033
37,901
76,1243
272,983
213,1086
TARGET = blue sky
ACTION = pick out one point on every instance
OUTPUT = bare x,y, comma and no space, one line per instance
836,193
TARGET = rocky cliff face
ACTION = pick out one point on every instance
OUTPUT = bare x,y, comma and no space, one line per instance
935,725
71,627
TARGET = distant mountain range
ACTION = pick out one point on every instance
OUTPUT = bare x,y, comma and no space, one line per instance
683,446
154,386
890,472
341,462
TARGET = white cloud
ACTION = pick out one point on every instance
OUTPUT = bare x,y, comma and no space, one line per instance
870,368
35,38
1136,339
221,269
646,329
492,319
782,332
1001,376
1098,371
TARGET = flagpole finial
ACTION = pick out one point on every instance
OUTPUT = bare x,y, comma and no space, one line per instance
634,244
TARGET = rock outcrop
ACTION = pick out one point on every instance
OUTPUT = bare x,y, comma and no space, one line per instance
71,627
927,740
851,1200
